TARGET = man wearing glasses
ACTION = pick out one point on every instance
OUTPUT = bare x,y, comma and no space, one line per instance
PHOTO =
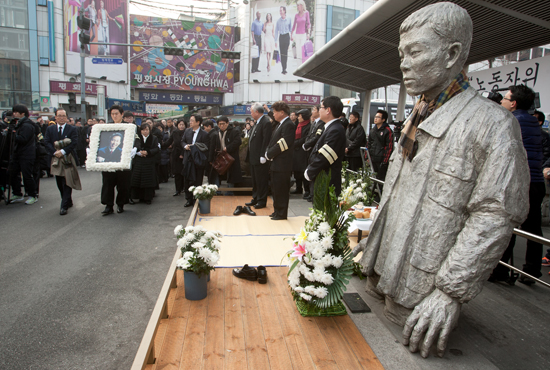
330,149
380,144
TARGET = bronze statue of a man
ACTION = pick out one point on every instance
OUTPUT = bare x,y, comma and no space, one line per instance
454,191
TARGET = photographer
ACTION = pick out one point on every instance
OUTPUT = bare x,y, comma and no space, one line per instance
23,156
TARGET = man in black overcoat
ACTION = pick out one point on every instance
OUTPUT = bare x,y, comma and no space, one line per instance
279,152
193,135
329,151
259,138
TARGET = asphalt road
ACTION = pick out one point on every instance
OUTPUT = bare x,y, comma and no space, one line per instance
76,291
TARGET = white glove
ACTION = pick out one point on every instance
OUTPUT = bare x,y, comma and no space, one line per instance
159,145
87,151
306,176
133,152
262,160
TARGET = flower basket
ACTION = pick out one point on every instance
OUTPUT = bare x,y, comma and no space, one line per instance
201,192
305,309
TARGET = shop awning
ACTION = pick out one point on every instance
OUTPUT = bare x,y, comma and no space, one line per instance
364,56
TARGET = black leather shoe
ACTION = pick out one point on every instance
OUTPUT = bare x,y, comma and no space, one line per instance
119,209
131,201
262,275
277,218
176,193
526,280
306,196
108,210
247,209
147,202
62,211
251,203
246,272
272,215
296,191
259,206
189,203
238,211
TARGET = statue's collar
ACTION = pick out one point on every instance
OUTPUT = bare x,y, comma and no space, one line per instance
439,121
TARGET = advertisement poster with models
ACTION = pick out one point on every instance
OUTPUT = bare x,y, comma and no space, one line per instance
199,65
108,24
281,38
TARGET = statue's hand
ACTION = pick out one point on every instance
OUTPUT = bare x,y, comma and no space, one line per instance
433,318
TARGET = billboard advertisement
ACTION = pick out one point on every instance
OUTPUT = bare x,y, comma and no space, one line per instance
281,38
198,68
109,24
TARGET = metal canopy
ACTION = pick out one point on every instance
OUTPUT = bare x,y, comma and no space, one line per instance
364,56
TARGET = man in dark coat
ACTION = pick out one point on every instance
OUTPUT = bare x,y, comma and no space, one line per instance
330,148
194,134
55,133
279,152
176,156
518,100
228,139
258,141
24,156
314,134
380,144
212,132
355,139
300,156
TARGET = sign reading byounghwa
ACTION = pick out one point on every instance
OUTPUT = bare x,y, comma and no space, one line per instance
194,70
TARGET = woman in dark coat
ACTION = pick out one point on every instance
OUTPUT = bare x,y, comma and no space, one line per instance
176,156
143,169
227,139
300,156
164,158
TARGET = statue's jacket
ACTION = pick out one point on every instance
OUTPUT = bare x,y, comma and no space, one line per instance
447,216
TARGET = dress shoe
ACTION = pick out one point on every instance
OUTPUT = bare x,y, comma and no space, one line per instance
251,203
306,195
119,209
189,203
259,206
238,211
296,191
247,209
246,272
526,280
131,201
147,202
176,193
277,218
272,215
108,210
262,275
62,211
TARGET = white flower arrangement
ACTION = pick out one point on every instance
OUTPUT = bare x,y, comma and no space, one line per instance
206,191
321,263
356,187
200,249
127,145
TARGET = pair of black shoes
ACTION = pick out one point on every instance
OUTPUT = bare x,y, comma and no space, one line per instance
255,204
245,209
252,274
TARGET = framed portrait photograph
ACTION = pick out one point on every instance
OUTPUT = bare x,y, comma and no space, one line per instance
111,147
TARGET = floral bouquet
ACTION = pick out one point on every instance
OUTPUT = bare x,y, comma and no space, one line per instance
321,263
203,191
357,185
200,249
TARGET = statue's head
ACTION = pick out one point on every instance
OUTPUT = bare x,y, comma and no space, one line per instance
433,47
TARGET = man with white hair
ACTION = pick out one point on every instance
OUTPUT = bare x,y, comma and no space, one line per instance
455,188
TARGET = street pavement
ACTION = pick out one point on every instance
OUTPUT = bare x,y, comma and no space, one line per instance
77,291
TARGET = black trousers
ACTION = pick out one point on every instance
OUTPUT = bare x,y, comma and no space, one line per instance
533,255
25,167
260,181
120,180
178,181
354,163
256,61
65,191
199,173
280,188
300,179
284,41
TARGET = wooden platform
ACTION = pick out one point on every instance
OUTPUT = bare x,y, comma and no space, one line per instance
247,325
224,205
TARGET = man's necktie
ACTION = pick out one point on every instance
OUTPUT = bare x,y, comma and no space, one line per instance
60,133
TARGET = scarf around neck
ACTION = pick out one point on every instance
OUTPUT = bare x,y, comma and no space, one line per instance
299,129
423,109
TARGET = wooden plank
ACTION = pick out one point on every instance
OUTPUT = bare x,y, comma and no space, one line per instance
159,340
235,354
286,310
256,351
357,343
277,351
214,342
193,345
314,340
172,346
337,344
